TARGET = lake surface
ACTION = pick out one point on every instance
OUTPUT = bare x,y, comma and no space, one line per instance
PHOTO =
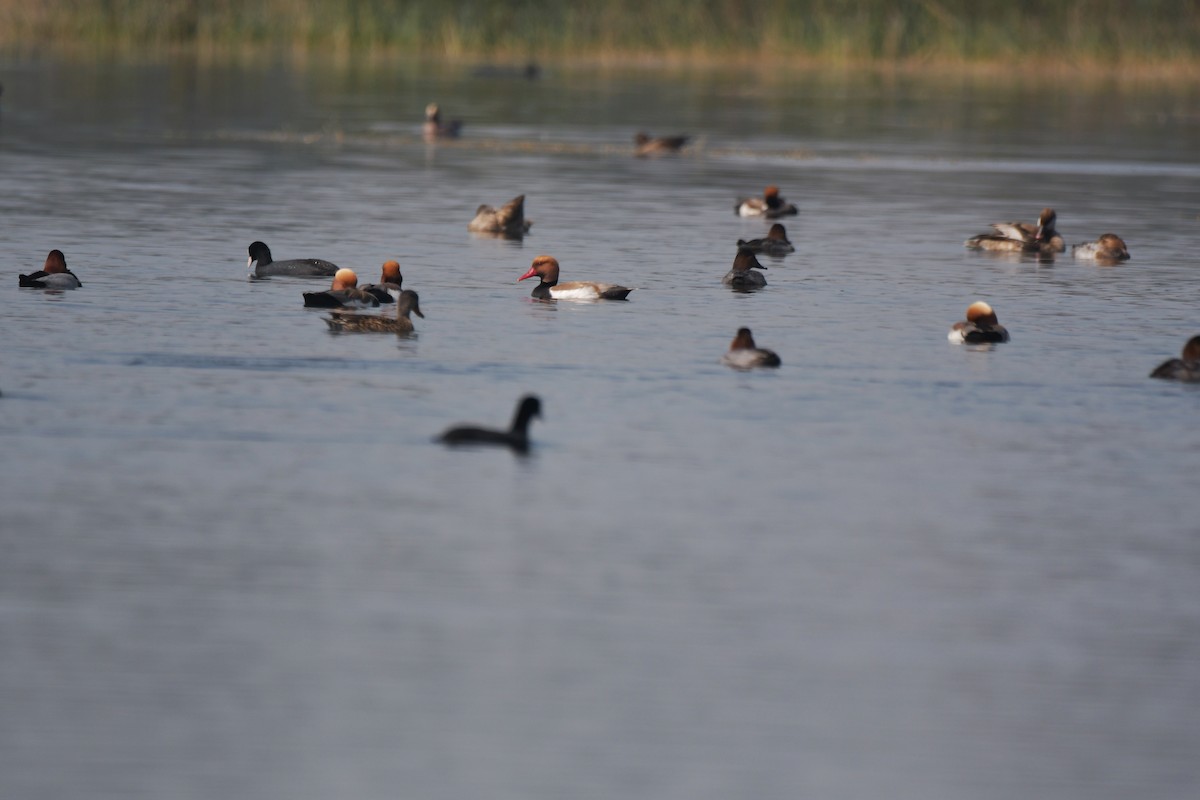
233,563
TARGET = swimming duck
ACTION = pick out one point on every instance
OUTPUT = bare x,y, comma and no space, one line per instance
980,326
1022,237
1186,368
742,276
770,205
516,437
775,243
261,265
743,354
390,281
434,128
1108,248
53,274
344,293
377,323
546,269
508,220
647,145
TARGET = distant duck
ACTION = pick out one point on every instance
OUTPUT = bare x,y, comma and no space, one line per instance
980,326
1022,237
545,268
744,354
775,243
743,274
531,71
1109,248
53,274
770,205
389,281
516,437
508,220
647,145
379,323
261,265
1186,368
344,293
435,128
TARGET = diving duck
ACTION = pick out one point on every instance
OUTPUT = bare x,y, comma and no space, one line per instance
744,354
545,268
53,274
980,326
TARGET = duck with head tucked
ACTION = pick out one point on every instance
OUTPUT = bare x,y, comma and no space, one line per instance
980,327
1108,249
646,145
744,354
1186,368
515,438
379,323
344,293
775,243
545,268
508,220
770,205
743,275
261,265
1022,237
53,274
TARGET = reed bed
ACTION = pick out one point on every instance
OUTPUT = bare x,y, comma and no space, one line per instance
1099,32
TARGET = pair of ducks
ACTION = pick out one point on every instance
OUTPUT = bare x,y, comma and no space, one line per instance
1044,239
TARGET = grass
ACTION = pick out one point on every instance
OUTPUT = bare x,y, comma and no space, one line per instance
1111,34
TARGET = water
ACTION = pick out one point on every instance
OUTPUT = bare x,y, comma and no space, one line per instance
235,564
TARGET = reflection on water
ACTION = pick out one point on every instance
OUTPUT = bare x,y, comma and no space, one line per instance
235,562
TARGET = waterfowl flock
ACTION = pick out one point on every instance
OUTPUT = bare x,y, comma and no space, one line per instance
344,297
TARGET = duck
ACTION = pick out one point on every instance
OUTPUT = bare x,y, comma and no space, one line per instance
1108,248
770,205
515,438
53,274
434,128
261,265
344,293
980,326
1022,237
389,281
775,243
744,354
545,268
647,145
377,323
1186,368
742,276
508,220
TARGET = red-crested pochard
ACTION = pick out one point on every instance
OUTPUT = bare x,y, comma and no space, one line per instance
344,293
770,205
1021,237
508,220
545,268
1109,248
980,326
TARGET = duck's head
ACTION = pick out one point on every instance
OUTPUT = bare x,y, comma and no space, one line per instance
55,262
745,260
980,313
1046,221
345,279
391,272
432,113
543,267
1191,350
1113,246
409,302
742,341
778,233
